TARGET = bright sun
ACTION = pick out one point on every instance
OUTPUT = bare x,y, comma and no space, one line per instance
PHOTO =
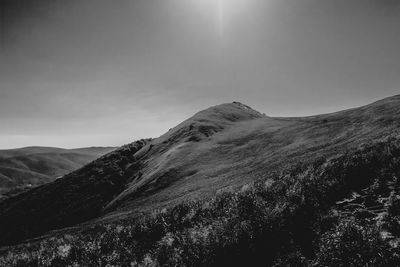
222,12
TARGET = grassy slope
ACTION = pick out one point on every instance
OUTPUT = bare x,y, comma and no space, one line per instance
222,147
65,201
288,222
247,149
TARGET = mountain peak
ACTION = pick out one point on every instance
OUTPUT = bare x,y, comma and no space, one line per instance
211,120
234,111
222,147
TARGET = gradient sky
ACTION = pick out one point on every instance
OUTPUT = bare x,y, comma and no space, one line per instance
97,72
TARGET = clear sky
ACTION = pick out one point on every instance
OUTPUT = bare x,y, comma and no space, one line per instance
97,72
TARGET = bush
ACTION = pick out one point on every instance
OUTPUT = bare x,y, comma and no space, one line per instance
352,244
282,223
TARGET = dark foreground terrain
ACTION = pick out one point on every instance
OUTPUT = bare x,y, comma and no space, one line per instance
228,186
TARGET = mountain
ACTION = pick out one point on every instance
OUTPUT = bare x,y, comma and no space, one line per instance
299,162
28,167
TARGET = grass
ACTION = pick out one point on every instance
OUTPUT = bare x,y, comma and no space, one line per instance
278,180
285,223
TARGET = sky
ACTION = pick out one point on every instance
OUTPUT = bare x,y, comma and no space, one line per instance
77,73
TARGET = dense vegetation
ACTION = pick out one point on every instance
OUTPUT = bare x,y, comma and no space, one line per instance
225,146
288,221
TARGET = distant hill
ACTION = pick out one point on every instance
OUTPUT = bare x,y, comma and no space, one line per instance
224,148
28,167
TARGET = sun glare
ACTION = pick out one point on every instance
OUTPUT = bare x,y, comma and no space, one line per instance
221,12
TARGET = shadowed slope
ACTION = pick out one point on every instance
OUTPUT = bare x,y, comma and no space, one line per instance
219,148
245,150
77,197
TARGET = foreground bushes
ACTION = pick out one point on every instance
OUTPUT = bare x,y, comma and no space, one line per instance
353,244
284,223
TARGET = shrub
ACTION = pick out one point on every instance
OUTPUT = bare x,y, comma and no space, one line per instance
352,244
282,223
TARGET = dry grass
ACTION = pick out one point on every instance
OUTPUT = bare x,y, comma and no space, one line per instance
226,146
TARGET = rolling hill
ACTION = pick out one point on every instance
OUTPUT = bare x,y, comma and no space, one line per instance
219,151
28,167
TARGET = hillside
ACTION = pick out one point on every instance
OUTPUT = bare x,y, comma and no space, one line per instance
310,162
28,167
